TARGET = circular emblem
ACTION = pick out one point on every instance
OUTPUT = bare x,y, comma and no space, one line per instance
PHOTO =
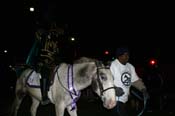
126,78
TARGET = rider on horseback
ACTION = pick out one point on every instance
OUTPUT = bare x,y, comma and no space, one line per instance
43,56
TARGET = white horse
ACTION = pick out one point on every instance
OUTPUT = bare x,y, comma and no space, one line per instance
66,86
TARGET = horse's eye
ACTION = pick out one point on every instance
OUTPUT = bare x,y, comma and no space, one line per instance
104,78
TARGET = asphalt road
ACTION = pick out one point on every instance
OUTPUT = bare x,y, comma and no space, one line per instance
86,107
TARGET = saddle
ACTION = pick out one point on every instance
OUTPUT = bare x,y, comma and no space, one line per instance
33,79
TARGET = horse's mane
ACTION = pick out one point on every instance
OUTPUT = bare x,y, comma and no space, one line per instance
85,59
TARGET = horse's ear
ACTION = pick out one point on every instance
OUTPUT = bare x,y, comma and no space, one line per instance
108,63
99,63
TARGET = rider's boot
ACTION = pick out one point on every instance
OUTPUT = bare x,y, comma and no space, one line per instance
45,100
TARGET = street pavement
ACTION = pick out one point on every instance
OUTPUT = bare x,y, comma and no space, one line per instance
86,107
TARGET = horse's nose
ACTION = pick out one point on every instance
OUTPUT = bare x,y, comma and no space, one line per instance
110,104
113,104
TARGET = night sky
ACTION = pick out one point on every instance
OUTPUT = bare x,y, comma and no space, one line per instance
147,30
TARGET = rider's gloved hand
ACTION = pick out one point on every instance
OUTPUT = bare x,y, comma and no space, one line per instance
119,91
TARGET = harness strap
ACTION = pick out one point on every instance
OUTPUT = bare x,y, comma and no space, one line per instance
71,87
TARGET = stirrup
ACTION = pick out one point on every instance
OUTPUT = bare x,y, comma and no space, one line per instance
45,102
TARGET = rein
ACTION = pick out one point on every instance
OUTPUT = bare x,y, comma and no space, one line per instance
144,100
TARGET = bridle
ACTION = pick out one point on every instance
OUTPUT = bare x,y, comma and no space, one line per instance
99,67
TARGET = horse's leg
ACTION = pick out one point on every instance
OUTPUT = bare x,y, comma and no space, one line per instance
34,106
59,109
16,104
72,112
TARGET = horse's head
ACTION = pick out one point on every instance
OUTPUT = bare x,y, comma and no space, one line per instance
103,85
102,79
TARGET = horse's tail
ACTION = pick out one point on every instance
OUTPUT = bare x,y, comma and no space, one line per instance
20,93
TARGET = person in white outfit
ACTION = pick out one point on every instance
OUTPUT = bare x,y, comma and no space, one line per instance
125,76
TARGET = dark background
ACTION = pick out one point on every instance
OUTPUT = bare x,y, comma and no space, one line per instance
98,26
146,28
